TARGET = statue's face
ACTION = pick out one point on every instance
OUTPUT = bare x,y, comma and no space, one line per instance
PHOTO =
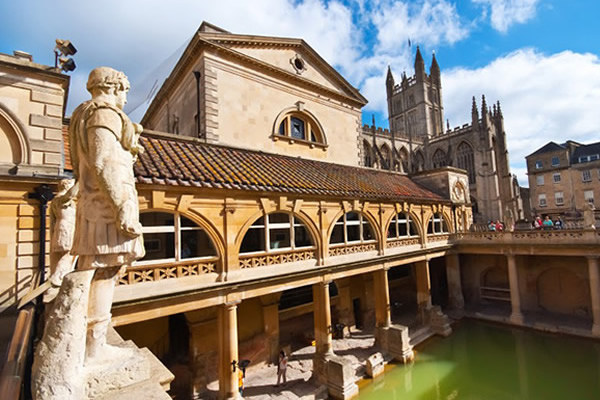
121,99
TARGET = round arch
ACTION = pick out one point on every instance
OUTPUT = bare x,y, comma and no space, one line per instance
200,220
16,137
494,277
562,291
372,222
413,217
304,114
303,217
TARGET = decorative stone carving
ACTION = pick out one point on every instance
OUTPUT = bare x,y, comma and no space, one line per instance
62,227
73,359
589,220
509,220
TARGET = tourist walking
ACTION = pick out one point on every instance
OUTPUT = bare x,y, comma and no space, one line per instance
282,367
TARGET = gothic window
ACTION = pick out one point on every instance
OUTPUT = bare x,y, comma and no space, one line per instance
401,226
404,159
465,160
367,154
437,225
350,228
173,238
386,154
419,164
276,232
439,159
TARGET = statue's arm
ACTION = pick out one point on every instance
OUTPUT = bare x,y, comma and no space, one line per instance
104,148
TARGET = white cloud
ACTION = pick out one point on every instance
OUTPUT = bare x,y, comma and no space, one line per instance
430,22
543,97
505,13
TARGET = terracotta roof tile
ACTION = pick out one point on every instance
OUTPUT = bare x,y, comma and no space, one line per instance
180,162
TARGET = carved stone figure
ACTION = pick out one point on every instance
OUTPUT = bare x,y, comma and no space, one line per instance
589,220
62,227
107,238
509,220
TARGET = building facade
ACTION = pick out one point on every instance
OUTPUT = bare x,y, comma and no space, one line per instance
261,235
418,141
563,178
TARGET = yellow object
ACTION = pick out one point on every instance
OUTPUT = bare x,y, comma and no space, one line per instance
313,343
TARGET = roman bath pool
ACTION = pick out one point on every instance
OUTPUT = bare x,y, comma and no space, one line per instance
489,362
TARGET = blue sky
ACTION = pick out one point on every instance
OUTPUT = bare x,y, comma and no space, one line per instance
538,58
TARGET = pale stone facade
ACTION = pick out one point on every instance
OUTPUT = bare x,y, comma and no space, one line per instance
246,87
563,178
418,141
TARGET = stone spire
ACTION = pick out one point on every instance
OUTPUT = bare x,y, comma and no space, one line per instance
484,111
474,114
389,82
419,65
499,110
435,69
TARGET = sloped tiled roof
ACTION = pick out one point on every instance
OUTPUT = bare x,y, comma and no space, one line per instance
585,150
181,162
547,148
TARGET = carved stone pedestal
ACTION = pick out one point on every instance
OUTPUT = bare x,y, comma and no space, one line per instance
340,378
398,343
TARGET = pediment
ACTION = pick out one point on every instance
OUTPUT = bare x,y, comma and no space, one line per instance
292,56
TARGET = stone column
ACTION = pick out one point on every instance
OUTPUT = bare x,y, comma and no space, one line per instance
594,293
383,318
323,337
423,288
228,351
455,294
516,315
345,302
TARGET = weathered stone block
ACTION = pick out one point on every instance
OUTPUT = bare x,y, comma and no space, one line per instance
42,97
45,121
399,343
340,378
374,365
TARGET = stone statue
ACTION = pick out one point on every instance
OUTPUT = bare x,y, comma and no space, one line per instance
589,219
108,234
509,220
62,226
73,360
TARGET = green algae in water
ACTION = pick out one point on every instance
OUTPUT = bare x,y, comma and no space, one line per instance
481,361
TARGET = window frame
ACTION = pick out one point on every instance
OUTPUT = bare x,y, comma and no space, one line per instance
269,226
588,199
542,196
557,197
586,175
312,129
360,222
408,221
540,180
555,176
539,164
176,229
557,163
438,218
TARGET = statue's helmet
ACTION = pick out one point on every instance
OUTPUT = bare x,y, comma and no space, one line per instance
105,78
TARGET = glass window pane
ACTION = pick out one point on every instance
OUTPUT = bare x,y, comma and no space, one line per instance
196,243
367,232
253,241
186,222
352,216
260,221
282,127
337,236
413,230
302,237
430,227
157,219
159,246
402,231
279,238
279,218
298,128
392,229
353,233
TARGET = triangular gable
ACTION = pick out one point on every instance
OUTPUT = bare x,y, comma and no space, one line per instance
549,147
282,54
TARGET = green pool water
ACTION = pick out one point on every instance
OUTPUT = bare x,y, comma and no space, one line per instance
488,362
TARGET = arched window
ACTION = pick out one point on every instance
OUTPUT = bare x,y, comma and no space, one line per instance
299,126
368,154
437,225
276,232
401,226
403,154
173,238
352,227
465,160
419,164
386,155
439,159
